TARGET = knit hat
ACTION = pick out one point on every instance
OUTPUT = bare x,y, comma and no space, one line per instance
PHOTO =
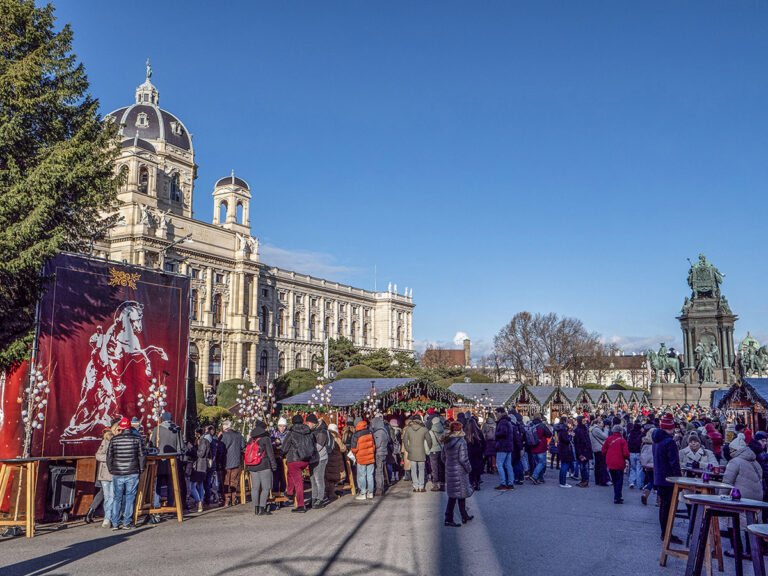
135,422
333,428
430,411
394,422
667,422
166,417
125,423
282,422
297,419
737,446
617,429
760,436
747,435
311,418
456,426
226,425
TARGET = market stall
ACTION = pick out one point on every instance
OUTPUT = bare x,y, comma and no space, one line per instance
747,400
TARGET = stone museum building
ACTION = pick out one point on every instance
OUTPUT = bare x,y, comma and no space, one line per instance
245,314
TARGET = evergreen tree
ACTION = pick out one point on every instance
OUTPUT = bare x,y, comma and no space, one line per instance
57,171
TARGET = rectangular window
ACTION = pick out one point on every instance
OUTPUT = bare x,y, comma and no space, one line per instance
219,278
265,292
194,273
171,266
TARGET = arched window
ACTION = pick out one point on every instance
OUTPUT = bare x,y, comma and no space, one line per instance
217,309
214,366
298,360
175,188
281,364
327,327
313,327
194,311
353,332
280,322
313,363
263,319
143,179
297,325
263,362
223,211
365,334
341,327
194,358
399,336
240,213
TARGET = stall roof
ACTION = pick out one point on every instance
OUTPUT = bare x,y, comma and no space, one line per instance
756,388
541,394
501,392
349,391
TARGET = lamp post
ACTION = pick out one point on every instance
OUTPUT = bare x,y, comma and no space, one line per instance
164,250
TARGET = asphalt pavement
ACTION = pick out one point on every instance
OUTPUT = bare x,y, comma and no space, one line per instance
532,530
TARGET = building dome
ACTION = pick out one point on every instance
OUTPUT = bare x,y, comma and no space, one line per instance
147,121
749,342
232,180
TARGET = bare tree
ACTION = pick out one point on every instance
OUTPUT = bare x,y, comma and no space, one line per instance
518,345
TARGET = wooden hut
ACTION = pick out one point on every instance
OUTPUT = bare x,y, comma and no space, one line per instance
487,395
746,400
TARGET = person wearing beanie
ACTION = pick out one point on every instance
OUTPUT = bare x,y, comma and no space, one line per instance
234,444
717,440
694,454
364,449
298,449
261,464
395,463
278,435
414,441
455,456
616,453
666,463
126,460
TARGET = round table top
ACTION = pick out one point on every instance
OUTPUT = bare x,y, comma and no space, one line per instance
724,501
699,483
699,471
759,529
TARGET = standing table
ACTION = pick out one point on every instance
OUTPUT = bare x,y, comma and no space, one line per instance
711,506
699,486
758,534
28,467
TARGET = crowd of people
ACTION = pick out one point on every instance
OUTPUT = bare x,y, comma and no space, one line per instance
451,453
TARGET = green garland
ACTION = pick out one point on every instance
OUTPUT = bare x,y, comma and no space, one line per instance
305,409
413,389
419,405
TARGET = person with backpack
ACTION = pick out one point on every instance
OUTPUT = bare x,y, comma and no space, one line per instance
323,442
299,449
364,450
539,450
260,462
383,447
489,432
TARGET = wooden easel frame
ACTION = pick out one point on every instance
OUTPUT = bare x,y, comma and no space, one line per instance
145,495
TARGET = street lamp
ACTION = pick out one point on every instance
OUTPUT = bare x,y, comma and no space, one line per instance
171,245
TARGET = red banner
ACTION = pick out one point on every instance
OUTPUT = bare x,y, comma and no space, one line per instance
113,342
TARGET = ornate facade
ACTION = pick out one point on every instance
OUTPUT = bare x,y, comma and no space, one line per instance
247,316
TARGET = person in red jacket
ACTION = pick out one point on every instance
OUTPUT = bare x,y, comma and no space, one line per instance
364,450
717,440
616,452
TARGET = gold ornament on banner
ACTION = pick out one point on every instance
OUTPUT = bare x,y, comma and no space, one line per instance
120,278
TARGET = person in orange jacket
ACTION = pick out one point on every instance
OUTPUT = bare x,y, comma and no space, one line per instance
364,450
616,452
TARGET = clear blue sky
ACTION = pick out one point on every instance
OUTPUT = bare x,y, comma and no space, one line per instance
493,156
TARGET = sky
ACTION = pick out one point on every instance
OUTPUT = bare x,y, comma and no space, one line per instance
494,157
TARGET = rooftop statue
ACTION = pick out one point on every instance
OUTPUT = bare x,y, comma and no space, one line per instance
704,279
149,71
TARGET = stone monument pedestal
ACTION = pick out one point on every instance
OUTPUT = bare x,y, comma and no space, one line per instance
664,393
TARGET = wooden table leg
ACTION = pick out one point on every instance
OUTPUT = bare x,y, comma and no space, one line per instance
350,477
756,544
5,475
698,542
242,486
176,489
670,525
30,499
717,543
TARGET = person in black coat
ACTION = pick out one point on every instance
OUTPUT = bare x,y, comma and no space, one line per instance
508,442
583,449
564,450
455,455
476,446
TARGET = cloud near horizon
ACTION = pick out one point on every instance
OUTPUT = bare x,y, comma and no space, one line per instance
318,264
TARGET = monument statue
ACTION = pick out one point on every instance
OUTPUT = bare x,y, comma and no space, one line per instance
707,355
753,358
149,71
704,279
662,363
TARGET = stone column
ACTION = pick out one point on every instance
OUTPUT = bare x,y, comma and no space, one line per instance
238,359
203,366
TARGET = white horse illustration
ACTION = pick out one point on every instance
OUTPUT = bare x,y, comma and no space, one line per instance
111,354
